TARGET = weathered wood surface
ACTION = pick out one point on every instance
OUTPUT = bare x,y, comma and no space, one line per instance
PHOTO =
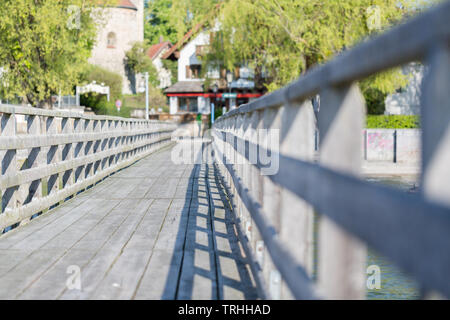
155,230
66,153
412,230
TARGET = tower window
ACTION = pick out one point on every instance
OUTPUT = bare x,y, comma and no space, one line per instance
111,42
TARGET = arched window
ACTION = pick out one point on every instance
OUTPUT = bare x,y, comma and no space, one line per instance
111,42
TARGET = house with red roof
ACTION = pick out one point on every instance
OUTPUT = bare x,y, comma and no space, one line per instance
190,95
156,53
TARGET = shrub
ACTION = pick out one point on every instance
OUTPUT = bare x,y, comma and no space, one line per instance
104,107
109,78
138,61
393,121
97,102
156,100
172,67
375,101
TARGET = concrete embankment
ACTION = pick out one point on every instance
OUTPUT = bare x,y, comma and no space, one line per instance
391,151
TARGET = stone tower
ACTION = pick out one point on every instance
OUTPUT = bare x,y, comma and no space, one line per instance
123,25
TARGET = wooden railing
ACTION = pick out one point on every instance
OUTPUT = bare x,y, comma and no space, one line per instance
49,156
276,211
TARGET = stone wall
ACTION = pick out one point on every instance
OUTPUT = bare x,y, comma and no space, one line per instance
399,146
128,28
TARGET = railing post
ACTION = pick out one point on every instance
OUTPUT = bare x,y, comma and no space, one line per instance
67,125
78,126
256,187
88,148
247,175
435,120
51,127
271,120
96,147
297,141
239,167
435,126
342,257
115,142
35,157
9,162
255,184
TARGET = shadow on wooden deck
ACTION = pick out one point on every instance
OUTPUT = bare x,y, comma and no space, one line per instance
208,261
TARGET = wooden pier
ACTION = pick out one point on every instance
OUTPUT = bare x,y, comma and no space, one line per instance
154,230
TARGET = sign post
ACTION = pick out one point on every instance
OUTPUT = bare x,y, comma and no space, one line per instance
146,96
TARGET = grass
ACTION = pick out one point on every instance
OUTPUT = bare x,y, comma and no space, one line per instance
137,101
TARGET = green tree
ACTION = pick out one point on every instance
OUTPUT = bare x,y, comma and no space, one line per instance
285,38
44,46
138,61
159,21
171,19
172,67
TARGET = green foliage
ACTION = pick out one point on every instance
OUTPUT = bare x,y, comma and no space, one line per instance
44,45
97,102
101,106
172,67
217,113
393,121
171,19
158,22
285,38
156,100
138,61
102,75
375,101
185,14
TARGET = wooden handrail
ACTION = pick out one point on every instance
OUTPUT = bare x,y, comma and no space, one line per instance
413,230
63,153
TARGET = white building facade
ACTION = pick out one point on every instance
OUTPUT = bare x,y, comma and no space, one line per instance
156,52
407,100
189,94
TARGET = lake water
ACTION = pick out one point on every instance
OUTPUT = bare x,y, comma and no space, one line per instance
395,284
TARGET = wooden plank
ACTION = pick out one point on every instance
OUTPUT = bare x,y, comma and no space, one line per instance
98,267
296,215
435,121
51,284
164,187
234,279
51,216
122,246
198,279
123,277
271,192
159,279
167,256
17,279
42,236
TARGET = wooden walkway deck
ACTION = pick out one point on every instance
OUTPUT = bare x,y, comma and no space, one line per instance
155,230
